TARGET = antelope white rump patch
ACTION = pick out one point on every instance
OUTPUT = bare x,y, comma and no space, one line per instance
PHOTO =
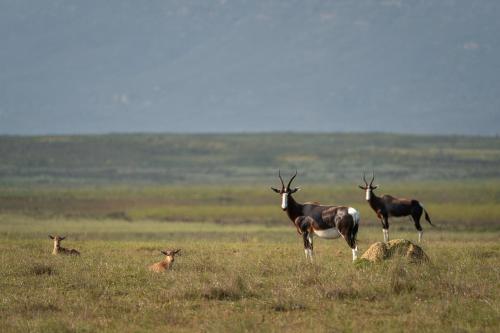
331,233
354,213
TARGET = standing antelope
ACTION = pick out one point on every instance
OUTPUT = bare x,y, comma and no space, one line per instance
310,219
58,249
387,206
166,263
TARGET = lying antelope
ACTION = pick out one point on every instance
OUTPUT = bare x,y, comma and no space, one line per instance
387,206
327,222
166,263
58,249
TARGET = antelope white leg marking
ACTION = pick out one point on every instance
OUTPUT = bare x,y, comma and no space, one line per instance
355,253
386,235
309,254
354,213
420,233
368,191
310,250
284,200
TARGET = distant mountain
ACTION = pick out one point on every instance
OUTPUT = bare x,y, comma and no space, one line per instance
239,65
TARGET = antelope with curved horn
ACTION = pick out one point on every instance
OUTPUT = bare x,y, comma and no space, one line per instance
311,219
387,206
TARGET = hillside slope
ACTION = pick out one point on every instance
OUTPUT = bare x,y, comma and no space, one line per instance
226,66
245,158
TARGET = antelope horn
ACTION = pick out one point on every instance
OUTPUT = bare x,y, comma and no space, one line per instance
364,179
279,175
373,178
291,179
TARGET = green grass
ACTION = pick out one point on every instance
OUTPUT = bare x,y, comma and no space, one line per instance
239,278
242,266
456,205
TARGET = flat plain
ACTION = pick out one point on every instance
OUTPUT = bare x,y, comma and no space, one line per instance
233,275
121,199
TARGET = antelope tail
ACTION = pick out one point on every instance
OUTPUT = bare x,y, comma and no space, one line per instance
427,217
352,236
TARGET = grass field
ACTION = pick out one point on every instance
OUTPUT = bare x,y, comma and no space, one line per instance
242,266
122,198
239,278
459,205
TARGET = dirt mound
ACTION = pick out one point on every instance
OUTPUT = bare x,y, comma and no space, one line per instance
395,248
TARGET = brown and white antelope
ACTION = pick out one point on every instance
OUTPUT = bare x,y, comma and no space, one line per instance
166,263
327,222
58,249
387,206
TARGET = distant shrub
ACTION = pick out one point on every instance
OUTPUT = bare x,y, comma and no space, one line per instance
119,216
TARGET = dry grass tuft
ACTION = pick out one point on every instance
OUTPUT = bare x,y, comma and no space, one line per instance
41,308
400,279
341,294
285,306
41,269
232,290
400,248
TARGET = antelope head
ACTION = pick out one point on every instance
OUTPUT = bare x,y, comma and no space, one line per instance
368,187
285,190
57,240
171,253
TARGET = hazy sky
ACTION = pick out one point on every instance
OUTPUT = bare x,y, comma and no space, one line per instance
229,66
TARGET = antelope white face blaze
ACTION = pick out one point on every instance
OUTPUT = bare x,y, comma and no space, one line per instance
284,200
368,192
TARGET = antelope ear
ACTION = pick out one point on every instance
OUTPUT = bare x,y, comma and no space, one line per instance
362,187
177,251
164,252
374,187
275,189
62,238
295,190
51,237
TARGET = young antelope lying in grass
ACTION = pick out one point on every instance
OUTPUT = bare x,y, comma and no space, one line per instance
58,249
166,263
